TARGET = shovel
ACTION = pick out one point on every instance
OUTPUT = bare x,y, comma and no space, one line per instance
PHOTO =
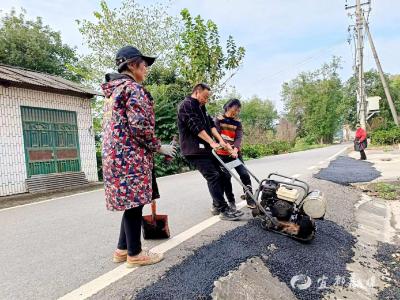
155,226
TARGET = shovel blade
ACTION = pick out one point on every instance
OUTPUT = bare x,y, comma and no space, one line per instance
157,228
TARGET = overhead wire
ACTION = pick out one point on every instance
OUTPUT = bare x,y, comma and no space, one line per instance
300,63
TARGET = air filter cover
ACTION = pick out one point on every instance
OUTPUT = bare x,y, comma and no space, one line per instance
315,205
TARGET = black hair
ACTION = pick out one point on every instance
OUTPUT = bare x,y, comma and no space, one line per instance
134,60
201,87
232,103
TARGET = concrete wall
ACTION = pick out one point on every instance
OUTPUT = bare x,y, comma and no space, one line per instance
12,154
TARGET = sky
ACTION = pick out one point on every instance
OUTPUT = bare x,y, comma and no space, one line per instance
282,37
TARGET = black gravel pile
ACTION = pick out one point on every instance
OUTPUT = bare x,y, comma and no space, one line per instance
194,278
345,170
388,255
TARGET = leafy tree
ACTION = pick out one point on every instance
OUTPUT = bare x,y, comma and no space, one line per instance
258,113
200,56
314,102
373,87
167,97
258,119
215,107
32,45
167,91
149,28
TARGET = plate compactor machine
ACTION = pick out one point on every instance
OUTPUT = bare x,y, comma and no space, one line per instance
284,205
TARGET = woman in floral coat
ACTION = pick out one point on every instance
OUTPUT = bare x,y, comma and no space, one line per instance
129,143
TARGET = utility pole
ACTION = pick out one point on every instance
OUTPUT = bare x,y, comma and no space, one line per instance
359,27
360,67
381,74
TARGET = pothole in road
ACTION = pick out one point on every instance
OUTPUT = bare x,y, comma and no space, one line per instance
345,170
321,262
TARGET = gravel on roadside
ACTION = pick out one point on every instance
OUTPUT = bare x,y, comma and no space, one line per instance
389,256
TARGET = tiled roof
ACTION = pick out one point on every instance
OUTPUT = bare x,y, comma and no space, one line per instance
15,76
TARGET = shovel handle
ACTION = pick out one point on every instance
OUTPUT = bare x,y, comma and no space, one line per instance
153,209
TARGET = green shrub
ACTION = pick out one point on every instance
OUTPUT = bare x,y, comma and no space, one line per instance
386,137
255,151
99,161
279,147
260,150
304,141
175,166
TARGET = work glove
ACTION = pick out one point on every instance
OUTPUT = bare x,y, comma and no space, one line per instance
168,150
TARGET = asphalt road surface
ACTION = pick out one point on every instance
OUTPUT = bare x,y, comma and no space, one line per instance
53,248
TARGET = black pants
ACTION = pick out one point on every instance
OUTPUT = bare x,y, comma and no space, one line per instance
243,174
363,155
131,228
131,225
211,170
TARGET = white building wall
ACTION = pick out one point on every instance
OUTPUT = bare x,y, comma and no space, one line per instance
12,155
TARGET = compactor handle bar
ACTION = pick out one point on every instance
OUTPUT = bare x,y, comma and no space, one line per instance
237,162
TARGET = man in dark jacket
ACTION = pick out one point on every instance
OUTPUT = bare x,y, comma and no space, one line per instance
196,135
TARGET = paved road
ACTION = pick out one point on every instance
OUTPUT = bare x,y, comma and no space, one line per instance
49,249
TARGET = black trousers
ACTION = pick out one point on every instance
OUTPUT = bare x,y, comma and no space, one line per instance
212,171
363,155
243,174
131,225
131,229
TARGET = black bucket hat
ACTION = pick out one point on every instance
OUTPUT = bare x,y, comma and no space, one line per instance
127,53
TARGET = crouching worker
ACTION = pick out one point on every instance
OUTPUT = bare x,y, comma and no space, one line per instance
230,129
196,133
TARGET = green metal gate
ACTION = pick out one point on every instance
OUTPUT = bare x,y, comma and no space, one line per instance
51,141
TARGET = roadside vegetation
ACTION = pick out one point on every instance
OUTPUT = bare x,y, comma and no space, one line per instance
384,190
190,50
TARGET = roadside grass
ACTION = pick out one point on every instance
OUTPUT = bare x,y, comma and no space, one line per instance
384,190
296,148
389,191
304,147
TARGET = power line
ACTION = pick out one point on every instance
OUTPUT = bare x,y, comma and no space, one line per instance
362,17
302,62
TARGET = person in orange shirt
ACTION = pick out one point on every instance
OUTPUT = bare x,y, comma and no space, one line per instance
360,142
230,128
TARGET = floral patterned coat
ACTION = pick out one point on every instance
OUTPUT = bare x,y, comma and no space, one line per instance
128,143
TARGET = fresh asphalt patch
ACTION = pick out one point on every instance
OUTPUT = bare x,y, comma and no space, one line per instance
345,170
389,256
309,270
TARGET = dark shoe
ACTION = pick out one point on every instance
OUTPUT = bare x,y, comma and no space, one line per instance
215,211
228,215
239,213
232,205
251,203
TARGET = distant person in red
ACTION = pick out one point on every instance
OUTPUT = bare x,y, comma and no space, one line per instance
360,142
